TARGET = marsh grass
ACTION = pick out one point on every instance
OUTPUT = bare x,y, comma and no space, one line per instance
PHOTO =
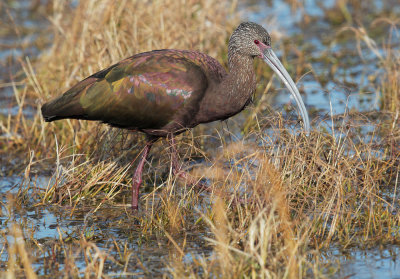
388,58
274,201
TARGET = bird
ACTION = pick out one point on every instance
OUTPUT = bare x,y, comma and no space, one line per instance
162,93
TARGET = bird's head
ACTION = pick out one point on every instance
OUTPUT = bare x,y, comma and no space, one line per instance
252,40
249,39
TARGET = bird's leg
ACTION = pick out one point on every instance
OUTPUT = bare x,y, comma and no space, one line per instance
137,177
176,169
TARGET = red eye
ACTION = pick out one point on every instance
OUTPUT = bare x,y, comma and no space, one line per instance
256,42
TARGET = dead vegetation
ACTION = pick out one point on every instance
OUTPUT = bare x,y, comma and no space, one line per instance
275,200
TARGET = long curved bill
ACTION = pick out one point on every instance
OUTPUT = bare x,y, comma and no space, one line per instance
270,58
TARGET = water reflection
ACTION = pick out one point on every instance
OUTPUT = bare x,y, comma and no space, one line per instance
340,83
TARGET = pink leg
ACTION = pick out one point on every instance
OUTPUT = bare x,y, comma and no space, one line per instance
174,156
137,177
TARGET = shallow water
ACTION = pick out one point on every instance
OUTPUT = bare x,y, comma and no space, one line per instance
46,224
23,35
348,89
380,262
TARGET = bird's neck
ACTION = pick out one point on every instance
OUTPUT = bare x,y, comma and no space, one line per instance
232,94
240,83
241,72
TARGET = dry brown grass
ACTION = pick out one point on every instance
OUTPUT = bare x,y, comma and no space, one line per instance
274,202
96,34
388,57
311,192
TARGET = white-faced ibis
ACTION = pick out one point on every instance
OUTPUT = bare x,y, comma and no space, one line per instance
165,92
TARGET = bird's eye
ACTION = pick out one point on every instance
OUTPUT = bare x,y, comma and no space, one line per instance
256,42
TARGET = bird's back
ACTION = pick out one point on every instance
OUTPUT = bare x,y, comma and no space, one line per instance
152,91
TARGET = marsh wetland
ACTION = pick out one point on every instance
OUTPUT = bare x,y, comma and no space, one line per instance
324,205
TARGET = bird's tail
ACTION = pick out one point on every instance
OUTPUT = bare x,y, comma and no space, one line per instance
62,107
67,105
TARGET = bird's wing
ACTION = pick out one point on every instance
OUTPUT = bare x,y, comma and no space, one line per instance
145,91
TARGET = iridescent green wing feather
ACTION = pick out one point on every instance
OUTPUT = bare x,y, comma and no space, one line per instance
145,91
